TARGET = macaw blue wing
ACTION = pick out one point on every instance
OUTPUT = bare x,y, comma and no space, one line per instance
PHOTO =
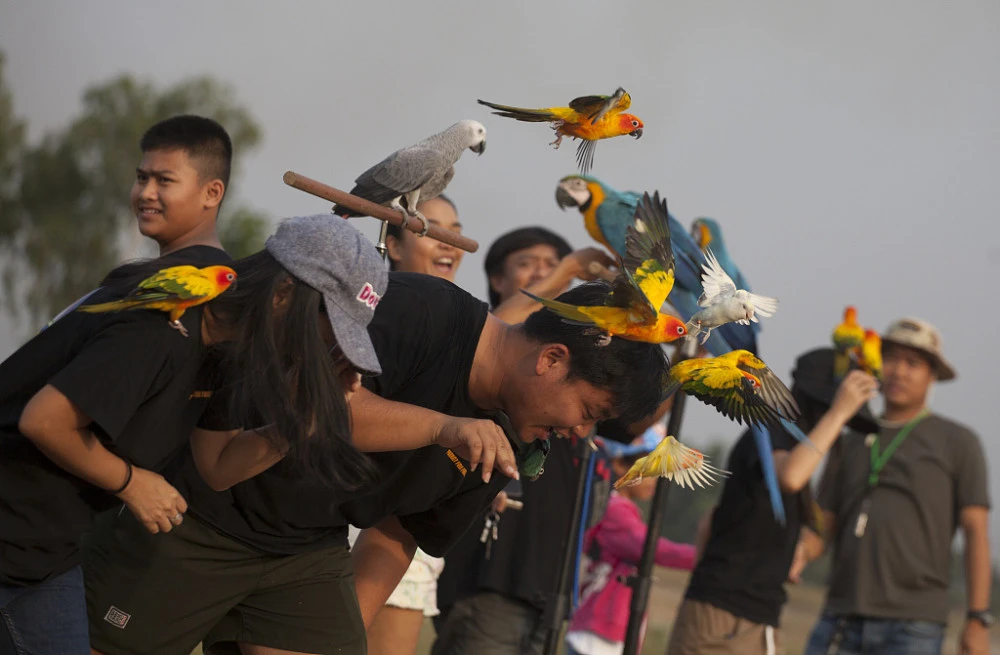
765,452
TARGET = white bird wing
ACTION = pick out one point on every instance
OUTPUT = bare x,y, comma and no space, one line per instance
766,306
714,281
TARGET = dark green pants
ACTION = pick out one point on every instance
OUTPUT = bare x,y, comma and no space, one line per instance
165,593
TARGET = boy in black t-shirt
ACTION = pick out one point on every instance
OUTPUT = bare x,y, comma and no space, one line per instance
446,366
95,405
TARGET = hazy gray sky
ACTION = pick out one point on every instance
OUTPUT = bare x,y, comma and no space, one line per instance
851,150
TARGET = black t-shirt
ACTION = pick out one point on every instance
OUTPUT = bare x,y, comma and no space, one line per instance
526,558
135,377
425,331
748,554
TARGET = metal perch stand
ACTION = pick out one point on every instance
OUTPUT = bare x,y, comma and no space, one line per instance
642,581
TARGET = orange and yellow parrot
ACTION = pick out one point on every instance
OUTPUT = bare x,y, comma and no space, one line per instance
588,118
674,461
869,354
632,310
846,336
741,387
172,290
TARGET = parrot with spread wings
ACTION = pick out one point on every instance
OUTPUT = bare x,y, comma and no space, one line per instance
674,461
588,118
607,214
173,290
632,310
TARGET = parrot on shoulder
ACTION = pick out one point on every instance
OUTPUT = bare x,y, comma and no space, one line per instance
588,118
674,461
172,290
646,276
607,213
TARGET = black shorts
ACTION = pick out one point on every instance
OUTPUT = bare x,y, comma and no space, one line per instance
165,593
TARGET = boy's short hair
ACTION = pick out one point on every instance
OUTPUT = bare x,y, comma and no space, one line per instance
519,239
203,139
632,371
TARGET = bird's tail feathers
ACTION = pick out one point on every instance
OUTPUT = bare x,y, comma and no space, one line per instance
521,113
568,312
118,305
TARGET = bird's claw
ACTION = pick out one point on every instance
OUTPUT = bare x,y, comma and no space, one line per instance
177,325
604,340
559,137
422,219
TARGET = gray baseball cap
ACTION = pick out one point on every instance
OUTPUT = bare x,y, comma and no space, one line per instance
331,256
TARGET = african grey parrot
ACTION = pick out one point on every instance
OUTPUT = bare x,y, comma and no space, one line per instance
419,172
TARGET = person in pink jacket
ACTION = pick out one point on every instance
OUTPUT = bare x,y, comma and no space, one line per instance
613,549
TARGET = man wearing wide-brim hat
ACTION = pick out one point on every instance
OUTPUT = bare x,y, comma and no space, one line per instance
892,508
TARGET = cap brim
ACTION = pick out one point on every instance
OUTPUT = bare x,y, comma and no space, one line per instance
944,370
353,340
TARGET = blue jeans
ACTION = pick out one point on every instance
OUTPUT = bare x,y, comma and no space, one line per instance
49,618
856,635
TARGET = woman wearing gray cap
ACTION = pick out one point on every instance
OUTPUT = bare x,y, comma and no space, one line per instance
263,561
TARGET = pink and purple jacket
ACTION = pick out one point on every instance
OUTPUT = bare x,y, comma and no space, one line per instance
618,538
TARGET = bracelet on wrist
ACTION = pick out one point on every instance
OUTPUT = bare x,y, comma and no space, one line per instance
128,478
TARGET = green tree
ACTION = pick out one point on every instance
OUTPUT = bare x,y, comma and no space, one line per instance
73,222
11,143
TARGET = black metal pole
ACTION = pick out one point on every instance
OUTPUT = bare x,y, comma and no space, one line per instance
642,582
557,608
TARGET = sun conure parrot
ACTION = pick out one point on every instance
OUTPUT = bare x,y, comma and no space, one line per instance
607,213
588,118
172,290
869,354
724,303
674,461
846,337
646,276
740,386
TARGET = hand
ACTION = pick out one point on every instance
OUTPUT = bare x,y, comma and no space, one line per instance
499,503
582,263
478,441
975,639
153,501
856,390
799,561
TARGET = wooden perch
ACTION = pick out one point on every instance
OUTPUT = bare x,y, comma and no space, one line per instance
368,208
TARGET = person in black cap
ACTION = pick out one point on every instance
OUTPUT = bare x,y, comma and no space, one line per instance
736,592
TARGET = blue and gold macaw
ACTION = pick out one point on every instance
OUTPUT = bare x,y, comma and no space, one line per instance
607,213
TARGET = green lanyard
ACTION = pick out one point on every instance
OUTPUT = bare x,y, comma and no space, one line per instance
880,459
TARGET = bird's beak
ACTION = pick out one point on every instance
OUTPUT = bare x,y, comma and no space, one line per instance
636,133
479,148
565,198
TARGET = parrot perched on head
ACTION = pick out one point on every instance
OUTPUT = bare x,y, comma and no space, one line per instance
674,461
846,336
607,213
588,118
869,354
724,303
646,277
418,172
172,290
